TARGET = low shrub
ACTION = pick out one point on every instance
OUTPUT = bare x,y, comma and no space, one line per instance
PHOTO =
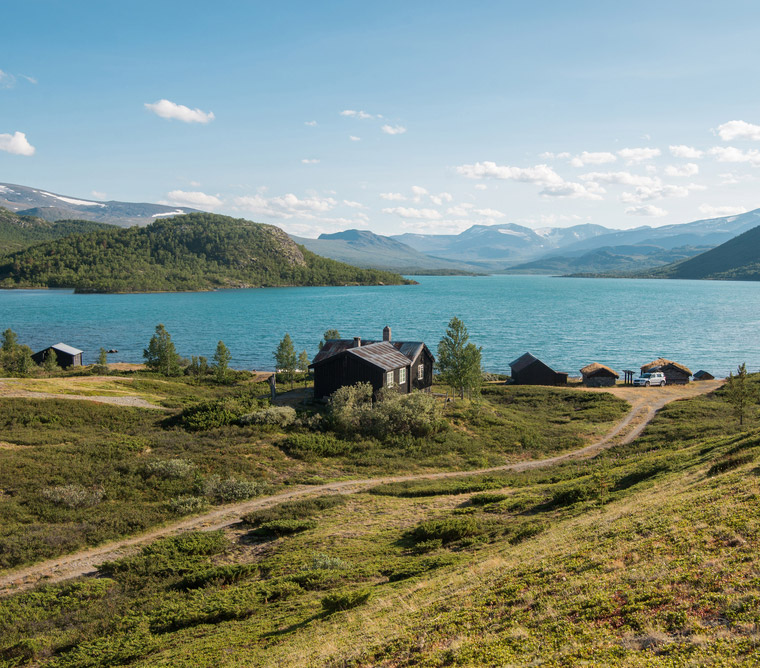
187,505
217,413
280,416
189,543
217,575
419,567
280,528
414,489
345,600
73,496
309,446
485,499
295,510
170,469
322,561
227,490
729,463
447,530
569,496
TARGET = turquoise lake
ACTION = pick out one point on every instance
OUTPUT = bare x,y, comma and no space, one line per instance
712,325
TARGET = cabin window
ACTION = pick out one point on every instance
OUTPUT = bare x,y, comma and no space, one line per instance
421,372
389,379
401,376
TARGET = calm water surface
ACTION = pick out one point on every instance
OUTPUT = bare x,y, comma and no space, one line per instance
568,323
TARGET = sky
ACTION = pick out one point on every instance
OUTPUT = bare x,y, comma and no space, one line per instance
424,117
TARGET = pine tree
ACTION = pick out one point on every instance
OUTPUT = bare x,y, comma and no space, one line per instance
161,356
285,358
101,365
740,393
459,362
222,359
50,362
303,365
329,334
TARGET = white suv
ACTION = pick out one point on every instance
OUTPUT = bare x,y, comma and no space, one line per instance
647,379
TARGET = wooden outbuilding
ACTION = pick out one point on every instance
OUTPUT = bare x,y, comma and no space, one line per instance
65,355
404,365
529,370
675,373
703,375
598,375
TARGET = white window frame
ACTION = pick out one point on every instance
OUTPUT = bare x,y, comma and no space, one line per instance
389,379
420,372
402,376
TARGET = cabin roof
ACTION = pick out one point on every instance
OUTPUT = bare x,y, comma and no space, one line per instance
701,373
410,349
523,361
662,362
382,355
70,350
596,367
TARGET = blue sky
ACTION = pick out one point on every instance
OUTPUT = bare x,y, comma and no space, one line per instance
542,114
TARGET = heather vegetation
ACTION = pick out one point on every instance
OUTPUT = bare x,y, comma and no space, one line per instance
643,555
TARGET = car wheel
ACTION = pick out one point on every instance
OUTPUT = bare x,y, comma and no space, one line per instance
662,384
646,384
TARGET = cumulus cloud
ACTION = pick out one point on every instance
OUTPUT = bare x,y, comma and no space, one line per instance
285,206
647,210
393,197
481,186
460,210
689,169
733,154
97,194
16,144
171,110
540,174
619,178
437,227
310,161
549,155
352,113
597,158
571,190
659,191
715,211
393,129
490,213
635,155
354,205
193,199
739,130
440,198
354,138
311,124
409,212
681,151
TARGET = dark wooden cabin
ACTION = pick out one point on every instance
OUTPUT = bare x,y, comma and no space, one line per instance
529,370
66,355
598,375
703,375
329,377
675,373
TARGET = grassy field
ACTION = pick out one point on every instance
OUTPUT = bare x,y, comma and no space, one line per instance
77,473
644,555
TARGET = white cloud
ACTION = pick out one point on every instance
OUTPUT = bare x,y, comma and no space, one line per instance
437,227
285,206
167,109
311,124
460,210
7,80
310,161
393,129
363,115
440,198
598,158
354,205
393,197
635,155
739,130
540,174
16,144
193,199
730,178
589,190
418,214
619,178
418,192
647,210
354,138
715,211
689,152
548,155
689,169
31,80
490,213
733,154
659,191
481,186
97,194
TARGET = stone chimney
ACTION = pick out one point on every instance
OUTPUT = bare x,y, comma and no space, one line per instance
387,333
357,342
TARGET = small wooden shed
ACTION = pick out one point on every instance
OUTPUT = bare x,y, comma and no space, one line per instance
66,355
598,375
529,370
675,373
703,375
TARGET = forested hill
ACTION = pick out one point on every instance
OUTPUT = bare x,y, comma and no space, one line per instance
735,260
18,232
196,251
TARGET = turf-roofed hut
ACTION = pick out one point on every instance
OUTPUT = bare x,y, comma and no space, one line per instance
66,356
675,373
598,375
703,375
529,370
343,362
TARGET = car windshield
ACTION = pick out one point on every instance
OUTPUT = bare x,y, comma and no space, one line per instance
646,375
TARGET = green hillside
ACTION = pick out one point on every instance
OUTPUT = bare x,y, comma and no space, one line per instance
19,232
191,252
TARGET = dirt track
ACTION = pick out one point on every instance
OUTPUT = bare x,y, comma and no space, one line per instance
645,402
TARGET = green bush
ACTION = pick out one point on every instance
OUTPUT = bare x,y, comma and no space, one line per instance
73,496
447,530
283,527
419,567
280,416
485,499
189,543
217,413
312,445
295,510
170,469
322,561
217,575
338,601
729,463
187,505
227,490
421,488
